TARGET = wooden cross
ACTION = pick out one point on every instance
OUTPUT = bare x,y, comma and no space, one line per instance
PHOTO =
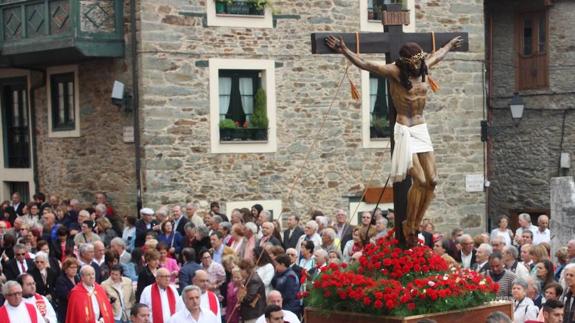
389,42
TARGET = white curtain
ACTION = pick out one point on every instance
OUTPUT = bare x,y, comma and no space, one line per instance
247,92
71,102
373,82
225,93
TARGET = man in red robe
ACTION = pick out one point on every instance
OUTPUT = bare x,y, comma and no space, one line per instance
87,302
14,309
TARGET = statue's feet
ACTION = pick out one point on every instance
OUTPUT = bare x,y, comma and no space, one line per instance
411,237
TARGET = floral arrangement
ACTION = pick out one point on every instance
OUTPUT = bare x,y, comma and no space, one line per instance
388,280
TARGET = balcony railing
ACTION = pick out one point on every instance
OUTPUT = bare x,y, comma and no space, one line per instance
78,29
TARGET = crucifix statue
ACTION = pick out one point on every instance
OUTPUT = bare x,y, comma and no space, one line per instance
413,167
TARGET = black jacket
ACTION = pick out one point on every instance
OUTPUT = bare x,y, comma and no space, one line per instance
11,270
56,250
181,224
63,286
141,231
291,242
145,279
41,288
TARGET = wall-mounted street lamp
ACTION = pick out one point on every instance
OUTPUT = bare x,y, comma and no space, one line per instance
516,106
121,97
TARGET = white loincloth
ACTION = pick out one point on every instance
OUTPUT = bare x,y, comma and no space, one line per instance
408,141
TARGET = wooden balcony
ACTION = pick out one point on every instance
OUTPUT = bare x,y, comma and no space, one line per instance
36,33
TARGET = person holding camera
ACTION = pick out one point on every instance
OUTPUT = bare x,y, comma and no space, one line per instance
121,294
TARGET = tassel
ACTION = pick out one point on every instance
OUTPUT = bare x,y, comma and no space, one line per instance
354,91
432,84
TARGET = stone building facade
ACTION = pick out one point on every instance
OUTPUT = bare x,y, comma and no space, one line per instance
87,153
183,48
525,156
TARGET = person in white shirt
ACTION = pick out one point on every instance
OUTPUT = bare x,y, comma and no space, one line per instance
39,301
168,298
15,310
275,298
273,314
542,234
193,312
140,313
524,220
209,300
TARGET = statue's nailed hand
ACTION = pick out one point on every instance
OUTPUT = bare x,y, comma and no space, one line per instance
456,42
336,44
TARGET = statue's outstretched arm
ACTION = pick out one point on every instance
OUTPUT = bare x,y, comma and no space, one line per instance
440,54
338,46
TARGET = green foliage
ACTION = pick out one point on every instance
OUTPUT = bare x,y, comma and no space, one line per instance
227,124
259,4
260,117
379,123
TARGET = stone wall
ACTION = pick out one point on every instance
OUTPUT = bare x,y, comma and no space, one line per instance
98,160
524,157
179,166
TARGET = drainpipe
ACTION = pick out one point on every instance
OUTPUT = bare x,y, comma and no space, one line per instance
34,87
136,103
489,115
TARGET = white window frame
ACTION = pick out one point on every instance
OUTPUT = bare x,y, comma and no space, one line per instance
268,84
382,143
367,25
275,205
265,21
16,174
60,70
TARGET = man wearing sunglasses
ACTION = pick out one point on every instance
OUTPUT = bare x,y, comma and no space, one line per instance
19,264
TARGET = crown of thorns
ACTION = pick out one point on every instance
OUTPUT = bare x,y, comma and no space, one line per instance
414,60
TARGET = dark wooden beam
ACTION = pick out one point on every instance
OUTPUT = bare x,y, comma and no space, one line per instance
374,42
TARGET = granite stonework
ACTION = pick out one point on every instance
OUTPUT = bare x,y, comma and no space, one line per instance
562,220
98,160
525,156
178,166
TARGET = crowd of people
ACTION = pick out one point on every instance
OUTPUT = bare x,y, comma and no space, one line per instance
67,262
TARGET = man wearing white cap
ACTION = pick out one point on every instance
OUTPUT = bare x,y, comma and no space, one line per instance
144,225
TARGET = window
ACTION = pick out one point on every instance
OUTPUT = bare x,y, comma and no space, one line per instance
531,46
62,99
374,8
239,7
239,13
19,187
379,108
374,111
370,14
63,102
237,92
238,111
15,123
242,106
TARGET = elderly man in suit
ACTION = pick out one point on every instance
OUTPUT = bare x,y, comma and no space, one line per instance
292,233
19,264
466,256
144,225
118,245
343,229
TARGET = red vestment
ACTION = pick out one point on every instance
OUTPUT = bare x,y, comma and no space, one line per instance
80,308
4,318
